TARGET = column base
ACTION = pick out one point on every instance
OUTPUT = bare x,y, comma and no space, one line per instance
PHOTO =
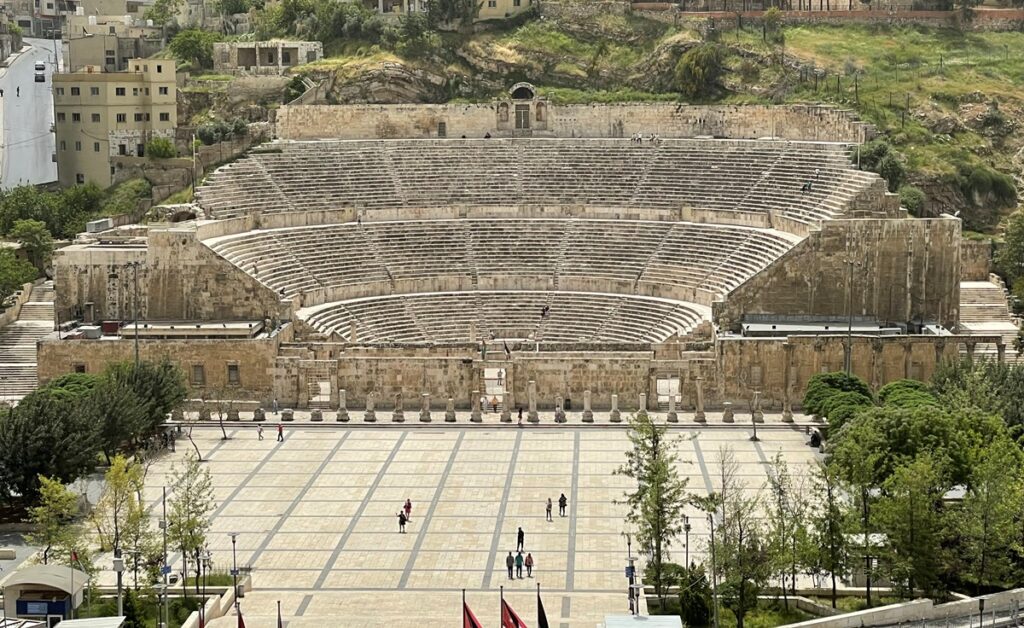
398,417
449,417
699,417
588,416
316,415
425,416
475,417
615,417
370,416
559,416
342,416
727,416
672,417
532,417
787,416
506,416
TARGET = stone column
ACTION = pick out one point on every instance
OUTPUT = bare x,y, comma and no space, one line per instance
615,416
506,413
672,416
1001,352
449,411
758,415
425,407
353,333
531,391
727,414
559,409
370,416
474,415
380,6
398,416
588,414
342,406
643,403
699,416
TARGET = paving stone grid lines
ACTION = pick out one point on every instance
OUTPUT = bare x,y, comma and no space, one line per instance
316,518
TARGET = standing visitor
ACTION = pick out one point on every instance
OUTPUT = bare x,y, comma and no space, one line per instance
547,510
519,565
562,501
509,561
280,433
529,565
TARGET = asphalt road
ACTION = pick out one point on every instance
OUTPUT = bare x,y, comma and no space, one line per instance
27,142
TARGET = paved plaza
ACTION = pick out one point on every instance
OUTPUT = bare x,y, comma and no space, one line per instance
316,517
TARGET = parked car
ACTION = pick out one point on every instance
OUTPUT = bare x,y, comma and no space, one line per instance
40,67
40,77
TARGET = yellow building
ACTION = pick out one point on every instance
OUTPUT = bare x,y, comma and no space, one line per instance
101,115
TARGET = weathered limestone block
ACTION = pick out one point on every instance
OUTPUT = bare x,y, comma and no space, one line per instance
204,414
259,415
398,416
449,411
316,415
616,416
672,416
699,416
588,414
370,415
727,413
559,409
233,414
643,404
287,414
531,390
474,414
342,406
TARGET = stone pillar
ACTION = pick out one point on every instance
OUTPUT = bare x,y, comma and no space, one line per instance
559,409
316,415
287,415
531,391
233,414
380,6
727,414
643,403
506,413
1001,352
370,416
342,406
588,414
425,407
615,416
353,333
398,416
758,415
699,416
474,415
449,411
672,416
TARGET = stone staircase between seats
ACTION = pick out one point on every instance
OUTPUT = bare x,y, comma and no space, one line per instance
984,311
18,343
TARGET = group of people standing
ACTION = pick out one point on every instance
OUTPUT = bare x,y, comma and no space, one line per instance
515,563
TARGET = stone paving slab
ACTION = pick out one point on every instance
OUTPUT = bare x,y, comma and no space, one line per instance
316,517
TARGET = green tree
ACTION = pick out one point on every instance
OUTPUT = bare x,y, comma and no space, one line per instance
14,273
160,386
146,554
823,386
134,614
986,523
45,434
891,169
909,516
694,596
194,46
912,199
52,520
787,522
163,11
122,484
1010,254
656,506
160,148
189,518
117,411
829,548
37,241
699,69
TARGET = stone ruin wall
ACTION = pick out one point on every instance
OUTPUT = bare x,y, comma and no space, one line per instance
793,122
976,259
909,272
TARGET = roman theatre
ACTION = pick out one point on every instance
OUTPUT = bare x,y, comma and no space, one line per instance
533,254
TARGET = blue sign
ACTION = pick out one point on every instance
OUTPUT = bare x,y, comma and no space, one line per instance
41,608
166,569
630,571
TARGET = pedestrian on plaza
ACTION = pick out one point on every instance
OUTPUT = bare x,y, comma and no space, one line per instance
259,432
280,433
562,501
408,509
483,403
501,374
275,405
18,93
520,409
519,565
494,403
520,540
509,561
547,510
401,522
529,565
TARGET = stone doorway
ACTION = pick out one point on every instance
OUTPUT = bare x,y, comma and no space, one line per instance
496,386
666,386
522,117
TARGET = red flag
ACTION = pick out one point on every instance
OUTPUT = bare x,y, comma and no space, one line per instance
509,619
241,622
280,624
542,617
469,620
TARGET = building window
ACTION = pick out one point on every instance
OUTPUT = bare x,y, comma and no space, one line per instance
492,4
94,91
122,117
135,91
61,117
60,91
78,146
113,30
75,91
79,178
96,147
122,149
95,117
140,150
110,53
110,60
147,117
286,57
79,368
159,69
138,117
63,145
198,375
517,3
163,91
147,91
119,91
233,378
76,117
165,117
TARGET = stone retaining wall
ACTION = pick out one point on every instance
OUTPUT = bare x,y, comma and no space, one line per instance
984,20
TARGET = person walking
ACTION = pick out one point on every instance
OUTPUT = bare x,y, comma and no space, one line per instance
529,565
259,432
408,509
562,501
280,433
520,416
519,565
509,561
494,404
275,398
547,510
520,540
401,522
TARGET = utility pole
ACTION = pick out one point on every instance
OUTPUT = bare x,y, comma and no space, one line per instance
714,574
234,568
164,568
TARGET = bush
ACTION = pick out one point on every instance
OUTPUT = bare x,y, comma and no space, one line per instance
698,70
823,386
220,130
748,71
160,148
194,46
983,186
912,199
892,170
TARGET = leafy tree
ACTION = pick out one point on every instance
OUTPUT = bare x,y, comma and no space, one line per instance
194,46
699,69
821,387
787,521
656,506
829,547
189,518
160,148
772,26
52,520
73,386
115,408
14,273
162,11
134,614
45,434
147,552
912,199
453,11
694,596
986,523
913,524
843,406
25,202
906,393
36,239
159,386
1010,254
123,481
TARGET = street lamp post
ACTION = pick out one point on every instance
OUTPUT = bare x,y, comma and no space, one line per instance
631,574
164,568
753,415
714,573
119,569
234,568
686,529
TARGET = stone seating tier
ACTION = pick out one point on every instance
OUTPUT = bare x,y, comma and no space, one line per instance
489,253
513,316
725,175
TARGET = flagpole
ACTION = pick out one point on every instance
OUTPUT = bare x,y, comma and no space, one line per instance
501,613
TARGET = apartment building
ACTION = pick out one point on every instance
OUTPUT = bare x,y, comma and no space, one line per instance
102,115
